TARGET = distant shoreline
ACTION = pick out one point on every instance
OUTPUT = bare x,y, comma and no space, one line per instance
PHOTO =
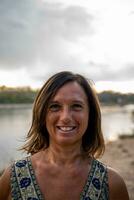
108,107
27,95
15,105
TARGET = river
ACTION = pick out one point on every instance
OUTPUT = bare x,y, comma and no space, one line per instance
15,121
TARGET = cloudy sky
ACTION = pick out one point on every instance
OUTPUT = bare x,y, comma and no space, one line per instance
41,37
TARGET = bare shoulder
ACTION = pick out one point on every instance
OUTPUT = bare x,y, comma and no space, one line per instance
117,186
5,188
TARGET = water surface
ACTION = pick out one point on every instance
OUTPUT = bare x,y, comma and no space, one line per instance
15,121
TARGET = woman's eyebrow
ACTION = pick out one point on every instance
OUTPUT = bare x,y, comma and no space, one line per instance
51,102
79,101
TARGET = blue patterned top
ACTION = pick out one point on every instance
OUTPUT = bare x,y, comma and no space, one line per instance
24,185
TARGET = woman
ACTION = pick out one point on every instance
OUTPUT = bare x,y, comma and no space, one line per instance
64,141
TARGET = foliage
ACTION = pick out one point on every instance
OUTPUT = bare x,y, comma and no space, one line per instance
17,95
110,97
27,95
126,136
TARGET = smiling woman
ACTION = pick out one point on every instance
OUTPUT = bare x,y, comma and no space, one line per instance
67,118
64,141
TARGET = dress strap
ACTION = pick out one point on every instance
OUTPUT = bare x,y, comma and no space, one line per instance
95,182
22,185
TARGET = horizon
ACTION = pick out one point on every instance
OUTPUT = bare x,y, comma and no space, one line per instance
98,88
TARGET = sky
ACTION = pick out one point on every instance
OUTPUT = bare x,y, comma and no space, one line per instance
41,37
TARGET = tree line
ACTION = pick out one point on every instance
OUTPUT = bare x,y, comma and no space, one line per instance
27,95
17,95
110,97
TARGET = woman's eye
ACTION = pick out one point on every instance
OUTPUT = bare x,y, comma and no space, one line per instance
54,107
77,106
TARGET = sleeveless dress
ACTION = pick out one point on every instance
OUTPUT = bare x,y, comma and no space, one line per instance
24,185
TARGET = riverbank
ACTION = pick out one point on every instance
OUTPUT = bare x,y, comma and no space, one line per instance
119,154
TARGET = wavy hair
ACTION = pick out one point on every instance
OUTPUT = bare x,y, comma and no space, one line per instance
38,136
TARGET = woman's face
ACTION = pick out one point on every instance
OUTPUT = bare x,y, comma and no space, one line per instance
67,115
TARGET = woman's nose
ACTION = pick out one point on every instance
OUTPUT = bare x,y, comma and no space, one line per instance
66,115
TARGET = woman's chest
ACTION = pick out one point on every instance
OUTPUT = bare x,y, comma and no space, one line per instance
62,185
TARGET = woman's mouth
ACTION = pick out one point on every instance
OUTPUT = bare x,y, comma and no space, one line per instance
66,128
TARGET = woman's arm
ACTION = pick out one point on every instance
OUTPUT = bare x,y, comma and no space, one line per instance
5,188
117,187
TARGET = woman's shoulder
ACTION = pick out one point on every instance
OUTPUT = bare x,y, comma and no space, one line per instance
117,186
5,188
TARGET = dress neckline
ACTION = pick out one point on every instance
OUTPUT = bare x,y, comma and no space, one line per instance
34,180
85,187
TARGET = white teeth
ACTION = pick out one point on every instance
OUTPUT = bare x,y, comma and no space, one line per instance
66,128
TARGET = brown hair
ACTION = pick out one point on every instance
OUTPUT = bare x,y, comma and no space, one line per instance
38,137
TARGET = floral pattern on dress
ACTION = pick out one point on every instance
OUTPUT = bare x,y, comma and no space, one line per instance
24,185
96,187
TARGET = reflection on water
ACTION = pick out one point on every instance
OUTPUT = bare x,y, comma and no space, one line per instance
116,121
15,122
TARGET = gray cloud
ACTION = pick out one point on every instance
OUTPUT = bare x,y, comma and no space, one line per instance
16,33
128,72
92,70
125,73
104,72
32,30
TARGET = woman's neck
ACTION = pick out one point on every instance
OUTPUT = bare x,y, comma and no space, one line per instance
65,155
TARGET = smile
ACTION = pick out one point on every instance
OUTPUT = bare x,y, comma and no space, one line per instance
66,128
